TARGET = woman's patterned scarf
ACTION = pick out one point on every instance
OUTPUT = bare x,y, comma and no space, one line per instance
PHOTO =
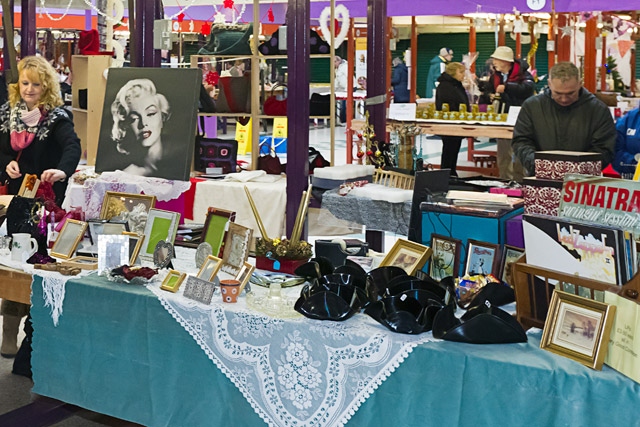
24,125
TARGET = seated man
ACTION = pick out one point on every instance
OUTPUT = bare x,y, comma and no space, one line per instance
565,116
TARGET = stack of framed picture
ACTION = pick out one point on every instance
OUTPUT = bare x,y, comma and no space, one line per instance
480,258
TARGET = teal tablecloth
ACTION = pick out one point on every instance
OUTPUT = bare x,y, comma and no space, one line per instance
117,351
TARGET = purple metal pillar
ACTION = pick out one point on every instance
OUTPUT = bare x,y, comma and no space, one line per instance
146,12
377,45
87,19
5,52
28,28
298,109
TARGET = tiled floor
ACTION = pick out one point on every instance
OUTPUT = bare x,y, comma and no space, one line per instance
15,390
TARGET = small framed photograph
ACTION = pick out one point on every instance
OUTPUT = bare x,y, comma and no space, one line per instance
135,243
244,275
132,208
81,262
236,248
29,186
209,268
70,236
215,228
510,254
105,226
482,258
173,281
407,255
199,290
445,259
161,225
578,328
113,251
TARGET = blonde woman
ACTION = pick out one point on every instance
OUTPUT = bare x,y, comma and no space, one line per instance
36,137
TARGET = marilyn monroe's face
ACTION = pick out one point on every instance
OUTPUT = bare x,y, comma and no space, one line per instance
145,120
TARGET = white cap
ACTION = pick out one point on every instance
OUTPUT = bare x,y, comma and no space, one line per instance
446,51
504,53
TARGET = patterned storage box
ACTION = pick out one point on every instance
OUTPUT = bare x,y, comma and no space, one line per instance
556,164
541,196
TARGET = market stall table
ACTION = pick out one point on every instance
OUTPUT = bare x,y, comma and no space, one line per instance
15,285
117,351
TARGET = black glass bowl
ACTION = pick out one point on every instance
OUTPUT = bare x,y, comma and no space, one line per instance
379,278
399,314
330,301
358,275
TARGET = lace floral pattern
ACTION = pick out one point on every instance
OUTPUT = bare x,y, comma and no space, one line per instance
293,372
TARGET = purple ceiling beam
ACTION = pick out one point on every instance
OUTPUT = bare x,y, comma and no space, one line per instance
28,25
298,108
376,66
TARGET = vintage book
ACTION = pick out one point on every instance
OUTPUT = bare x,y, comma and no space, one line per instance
574,247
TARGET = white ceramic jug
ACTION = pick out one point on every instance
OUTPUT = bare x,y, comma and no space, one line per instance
23,247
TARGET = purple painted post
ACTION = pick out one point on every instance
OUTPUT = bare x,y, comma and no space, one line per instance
28,28
376,65
5,52
87,19
146,12
298,109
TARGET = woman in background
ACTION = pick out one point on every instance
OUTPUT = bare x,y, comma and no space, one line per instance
139,114
400,81
450,91
36,137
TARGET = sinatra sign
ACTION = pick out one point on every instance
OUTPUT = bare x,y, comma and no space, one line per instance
607,201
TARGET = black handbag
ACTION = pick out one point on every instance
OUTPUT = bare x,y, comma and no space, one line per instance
269,161
23,216
228,40
214,152
320,105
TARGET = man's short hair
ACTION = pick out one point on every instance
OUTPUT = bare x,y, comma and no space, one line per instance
452,68
564,71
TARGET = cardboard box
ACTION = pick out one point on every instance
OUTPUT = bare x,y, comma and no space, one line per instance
556,164
542,196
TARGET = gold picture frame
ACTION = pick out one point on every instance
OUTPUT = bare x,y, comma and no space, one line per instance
29,186
134,208
578,328
209,268
173,281
244,275
70,236
135,244
409,256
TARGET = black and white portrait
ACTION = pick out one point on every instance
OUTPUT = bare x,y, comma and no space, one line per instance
148,122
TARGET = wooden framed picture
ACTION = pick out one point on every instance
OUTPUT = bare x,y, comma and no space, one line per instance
161,225
244,275
509,255
236,248
578,328
113,251
173,281
70,236
482,258
215,227
209,268
445,259
81,262
133,208
135,243
407,255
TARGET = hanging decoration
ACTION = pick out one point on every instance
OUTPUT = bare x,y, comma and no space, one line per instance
624,46
181,17
620,26
270,16
205,30
228,4
119,12
61,17
341,13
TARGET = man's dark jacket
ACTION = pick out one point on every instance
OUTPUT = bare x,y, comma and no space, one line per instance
585,125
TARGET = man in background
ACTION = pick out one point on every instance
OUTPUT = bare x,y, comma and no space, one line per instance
437,67
565,116
340,85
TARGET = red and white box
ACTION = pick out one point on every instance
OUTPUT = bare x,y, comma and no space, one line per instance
541,196
556,164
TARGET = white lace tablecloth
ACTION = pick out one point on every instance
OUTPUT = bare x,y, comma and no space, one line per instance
298,372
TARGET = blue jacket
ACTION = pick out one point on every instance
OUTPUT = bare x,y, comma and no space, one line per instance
400,81
627,142
434,73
